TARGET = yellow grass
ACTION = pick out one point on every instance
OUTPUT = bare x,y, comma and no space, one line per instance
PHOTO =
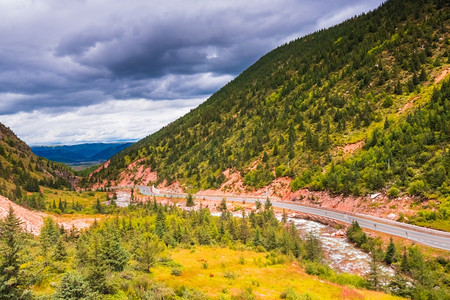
86,199
226,275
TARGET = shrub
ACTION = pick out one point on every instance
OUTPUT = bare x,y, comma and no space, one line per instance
417,188
393,193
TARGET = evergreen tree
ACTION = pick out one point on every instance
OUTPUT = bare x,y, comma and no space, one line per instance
49,235
114,254
268,204
390,252
12,280
97,270
160,227
98,207
404,263
60,252
190,200
313,247
146,252
74,287
284,217
244,230
257,239
374,277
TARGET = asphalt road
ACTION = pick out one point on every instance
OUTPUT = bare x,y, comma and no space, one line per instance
425,236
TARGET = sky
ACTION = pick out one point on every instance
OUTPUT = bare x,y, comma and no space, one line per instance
76,71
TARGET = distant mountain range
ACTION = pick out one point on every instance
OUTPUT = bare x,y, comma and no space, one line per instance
82,154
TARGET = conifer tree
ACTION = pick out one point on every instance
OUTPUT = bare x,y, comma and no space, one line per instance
257,240
60,252
160,228
374,276
313,247
97,269
49,235
12,281
114,254
72,287
146,252
390,252
244,230
190,200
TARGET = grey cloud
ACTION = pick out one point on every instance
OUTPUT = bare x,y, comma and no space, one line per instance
60,55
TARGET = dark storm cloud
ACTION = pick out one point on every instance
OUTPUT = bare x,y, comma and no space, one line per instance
58,55
59,51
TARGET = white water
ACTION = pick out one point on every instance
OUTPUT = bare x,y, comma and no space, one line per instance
340,255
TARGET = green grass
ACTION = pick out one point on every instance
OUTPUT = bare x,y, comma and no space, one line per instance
229,272
86,199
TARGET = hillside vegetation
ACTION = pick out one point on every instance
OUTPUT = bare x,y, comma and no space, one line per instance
370,80
22,173
152,251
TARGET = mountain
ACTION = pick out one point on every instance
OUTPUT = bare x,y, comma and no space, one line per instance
83,153
354,109
22,172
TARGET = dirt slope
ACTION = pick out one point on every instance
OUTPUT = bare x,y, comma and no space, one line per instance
33,220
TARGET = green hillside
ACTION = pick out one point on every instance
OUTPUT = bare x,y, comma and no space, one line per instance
370,79
22,172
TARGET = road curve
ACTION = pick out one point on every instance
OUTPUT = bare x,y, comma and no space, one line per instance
425,236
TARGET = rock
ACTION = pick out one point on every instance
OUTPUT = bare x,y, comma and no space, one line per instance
340,232
392,216
373,196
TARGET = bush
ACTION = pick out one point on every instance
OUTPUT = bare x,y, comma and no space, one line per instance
318,269
393,193
417,188
388,102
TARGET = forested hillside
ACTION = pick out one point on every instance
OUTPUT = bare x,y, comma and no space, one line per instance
372,80
21,171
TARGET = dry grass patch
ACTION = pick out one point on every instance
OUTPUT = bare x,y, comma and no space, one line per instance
225,272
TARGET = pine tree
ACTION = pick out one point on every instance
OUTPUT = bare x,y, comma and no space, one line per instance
223,209
73,286
404,264
313,247
114,254
190,200
60,253
284,217
257,240
160,228
244,230
146,252
97,269
49,235
268,204
12,281
374,276
98,207
390,252
223,205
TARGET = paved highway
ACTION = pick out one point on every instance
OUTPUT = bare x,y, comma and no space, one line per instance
425,236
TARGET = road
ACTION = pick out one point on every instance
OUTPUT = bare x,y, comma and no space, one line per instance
425,236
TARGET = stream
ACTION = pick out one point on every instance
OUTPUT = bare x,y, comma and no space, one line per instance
340,255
